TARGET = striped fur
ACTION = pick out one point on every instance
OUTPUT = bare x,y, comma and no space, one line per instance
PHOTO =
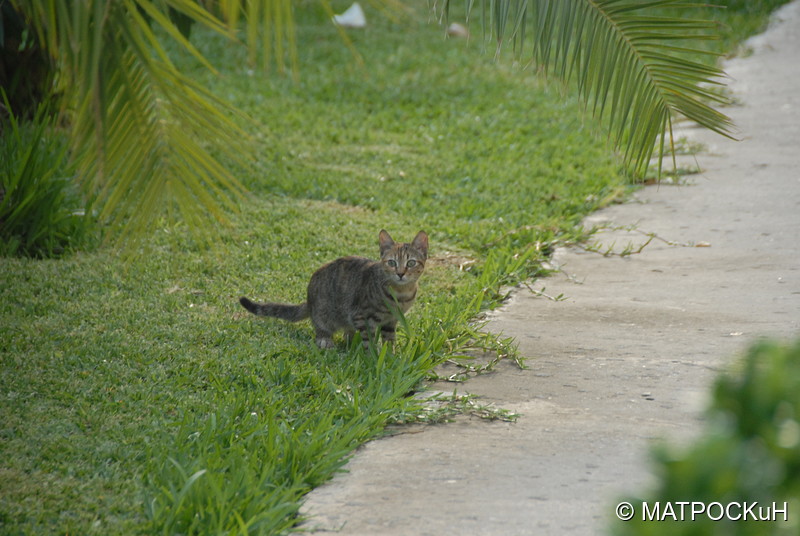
355,294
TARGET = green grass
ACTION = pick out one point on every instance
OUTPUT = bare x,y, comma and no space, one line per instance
138,397
41,214
121,382
421,135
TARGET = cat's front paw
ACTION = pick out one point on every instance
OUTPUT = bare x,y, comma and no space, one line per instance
324,342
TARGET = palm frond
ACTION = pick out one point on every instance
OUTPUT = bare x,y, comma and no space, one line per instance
629,64
143,134
269,27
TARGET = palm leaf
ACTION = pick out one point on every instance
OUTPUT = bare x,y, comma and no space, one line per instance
143,134
629,64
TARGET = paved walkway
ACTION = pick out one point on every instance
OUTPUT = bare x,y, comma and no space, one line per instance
629,355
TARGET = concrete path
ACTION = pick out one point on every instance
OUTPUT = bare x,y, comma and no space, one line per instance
627,357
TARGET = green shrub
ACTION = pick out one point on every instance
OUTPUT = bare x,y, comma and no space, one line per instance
750,454
41,211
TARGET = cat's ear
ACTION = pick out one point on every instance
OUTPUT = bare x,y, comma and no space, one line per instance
420,243
385,241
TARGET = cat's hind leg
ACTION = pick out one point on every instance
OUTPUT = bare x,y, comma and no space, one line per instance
324,333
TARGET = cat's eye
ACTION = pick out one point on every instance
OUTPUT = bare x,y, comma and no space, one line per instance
392,263
411,263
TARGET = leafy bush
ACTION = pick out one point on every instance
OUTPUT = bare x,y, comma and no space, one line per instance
749,454
41,212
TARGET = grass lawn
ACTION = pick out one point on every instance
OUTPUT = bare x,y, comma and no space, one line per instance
140,398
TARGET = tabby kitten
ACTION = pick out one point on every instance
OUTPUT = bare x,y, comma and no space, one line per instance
357,294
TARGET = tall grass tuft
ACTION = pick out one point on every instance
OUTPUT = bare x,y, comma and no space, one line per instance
243,468
41,211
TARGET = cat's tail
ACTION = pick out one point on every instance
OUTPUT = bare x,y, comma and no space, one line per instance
292,313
